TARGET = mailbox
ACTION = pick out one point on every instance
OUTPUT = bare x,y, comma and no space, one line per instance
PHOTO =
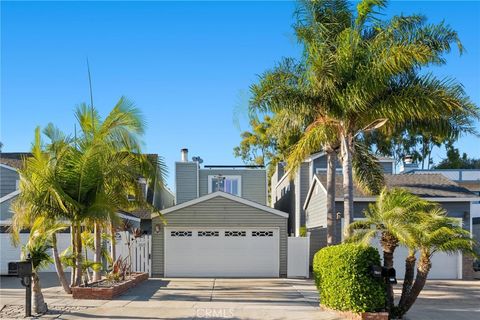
379,272
376,272
20,269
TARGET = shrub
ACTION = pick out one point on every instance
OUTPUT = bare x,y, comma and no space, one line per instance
343,280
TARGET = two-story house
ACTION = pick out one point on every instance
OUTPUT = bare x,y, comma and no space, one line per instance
220,226
289,192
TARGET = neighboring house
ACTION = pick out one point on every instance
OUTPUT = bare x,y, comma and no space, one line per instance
456,200
220,225
288,193
9,183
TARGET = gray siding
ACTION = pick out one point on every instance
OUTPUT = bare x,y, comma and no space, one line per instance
305,179
254,182
316,212
8,180
218,212
5,212
186,175
321,163
387,167
163,199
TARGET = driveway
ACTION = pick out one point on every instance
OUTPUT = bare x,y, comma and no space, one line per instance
235,299
187,299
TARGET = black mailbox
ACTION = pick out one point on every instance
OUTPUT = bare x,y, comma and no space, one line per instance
20,268
391,275
376,272
379,272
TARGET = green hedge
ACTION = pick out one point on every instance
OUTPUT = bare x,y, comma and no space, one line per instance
342,277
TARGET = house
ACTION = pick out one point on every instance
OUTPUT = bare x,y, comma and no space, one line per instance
456,200
220,226
9,183
288,193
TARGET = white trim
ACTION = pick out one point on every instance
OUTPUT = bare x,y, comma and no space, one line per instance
310,191
198,179
127,217
10,196
436,199
238,177
226,196
8,167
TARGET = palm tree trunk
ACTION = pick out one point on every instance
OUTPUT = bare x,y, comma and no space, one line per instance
112,243
408,279
389,244
331,168
424,266
79,257
58,266
98,251
347,184
73,235
39,305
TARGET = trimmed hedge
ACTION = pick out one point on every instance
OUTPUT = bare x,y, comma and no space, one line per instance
343,280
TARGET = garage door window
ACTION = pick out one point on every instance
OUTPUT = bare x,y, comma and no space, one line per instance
262,233
235,233
181,233
208,233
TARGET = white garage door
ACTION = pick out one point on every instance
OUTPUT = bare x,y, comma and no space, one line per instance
222,252
444,266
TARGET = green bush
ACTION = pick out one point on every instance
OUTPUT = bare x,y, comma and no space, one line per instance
343,280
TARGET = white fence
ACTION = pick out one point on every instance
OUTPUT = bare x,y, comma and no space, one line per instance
138,250
298,257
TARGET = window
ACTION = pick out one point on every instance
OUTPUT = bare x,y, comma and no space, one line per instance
208,233
262,233
228,184
180,233
235,233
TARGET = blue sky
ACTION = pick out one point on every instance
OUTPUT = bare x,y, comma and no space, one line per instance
186,65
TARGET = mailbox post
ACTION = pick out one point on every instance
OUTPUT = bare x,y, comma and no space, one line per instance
23,270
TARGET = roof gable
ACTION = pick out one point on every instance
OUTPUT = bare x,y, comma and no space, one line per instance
226,196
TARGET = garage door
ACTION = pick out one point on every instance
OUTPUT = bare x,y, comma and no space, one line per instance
444,266
221,252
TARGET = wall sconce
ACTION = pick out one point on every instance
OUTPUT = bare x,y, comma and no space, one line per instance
157,228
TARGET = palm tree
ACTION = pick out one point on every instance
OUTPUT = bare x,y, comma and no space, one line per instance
364,74
435,232
371,72
389,219
401,218
110,150
41,193
36,249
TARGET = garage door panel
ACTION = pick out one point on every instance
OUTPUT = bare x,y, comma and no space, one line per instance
227,252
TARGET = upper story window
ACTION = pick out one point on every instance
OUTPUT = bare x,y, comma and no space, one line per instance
229,184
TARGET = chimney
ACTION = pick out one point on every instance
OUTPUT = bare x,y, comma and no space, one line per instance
184,153
408,164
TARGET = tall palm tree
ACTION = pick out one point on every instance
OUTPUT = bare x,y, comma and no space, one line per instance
42,195
105,167
363,74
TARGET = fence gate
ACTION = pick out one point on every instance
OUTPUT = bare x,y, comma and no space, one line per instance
138,249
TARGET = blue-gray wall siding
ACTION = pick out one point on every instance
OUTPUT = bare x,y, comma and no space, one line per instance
5,209
186,174
254,182
8,180
317,203
217,212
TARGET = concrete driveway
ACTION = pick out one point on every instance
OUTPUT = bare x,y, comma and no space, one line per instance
186,299
235,299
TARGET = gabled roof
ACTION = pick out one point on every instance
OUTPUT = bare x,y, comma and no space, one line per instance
430,186
13,159
226,196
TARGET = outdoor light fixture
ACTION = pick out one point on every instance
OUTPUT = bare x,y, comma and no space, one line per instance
157,228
